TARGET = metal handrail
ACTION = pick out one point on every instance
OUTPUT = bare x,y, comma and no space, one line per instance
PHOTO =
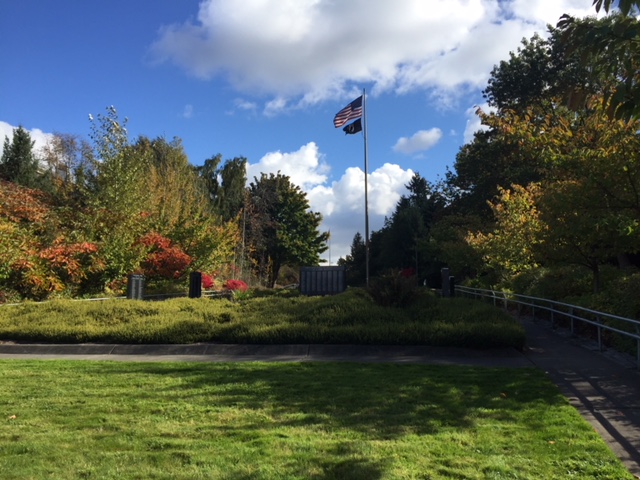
573,312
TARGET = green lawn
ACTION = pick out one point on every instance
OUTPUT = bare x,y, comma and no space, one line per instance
111,420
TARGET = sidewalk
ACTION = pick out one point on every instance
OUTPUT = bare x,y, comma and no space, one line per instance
603,386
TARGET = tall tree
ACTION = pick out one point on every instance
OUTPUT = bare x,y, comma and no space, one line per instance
225,182
404,240
233,175
609,45
117,215
19,163
281,229
70,160
179,208
355,262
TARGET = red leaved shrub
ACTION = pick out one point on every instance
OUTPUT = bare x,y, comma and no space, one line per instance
164,259
234,285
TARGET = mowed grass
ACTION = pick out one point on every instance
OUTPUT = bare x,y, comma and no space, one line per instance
111,420
349,318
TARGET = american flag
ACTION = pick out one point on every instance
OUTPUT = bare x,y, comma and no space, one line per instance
350,112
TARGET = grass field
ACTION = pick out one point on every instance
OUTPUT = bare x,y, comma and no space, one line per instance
349,318
111,420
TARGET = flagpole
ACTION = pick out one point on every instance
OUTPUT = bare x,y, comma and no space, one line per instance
366,186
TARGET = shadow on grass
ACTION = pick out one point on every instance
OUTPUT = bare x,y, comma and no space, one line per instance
381,401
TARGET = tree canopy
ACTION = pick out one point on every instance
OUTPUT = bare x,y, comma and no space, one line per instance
280,227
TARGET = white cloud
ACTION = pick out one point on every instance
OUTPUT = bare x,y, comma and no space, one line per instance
242,104
340,202
420,141
187,112
38,136
305,167
314,50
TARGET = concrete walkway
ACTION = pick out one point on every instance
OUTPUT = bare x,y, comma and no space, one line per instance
603,386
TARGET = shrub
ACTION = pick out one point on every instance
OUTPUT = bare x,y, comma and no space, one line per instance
207,281
164,260
236,285
395,289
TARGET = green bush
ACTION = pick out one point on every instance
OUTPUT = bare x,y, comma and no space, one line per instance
284,317
394,289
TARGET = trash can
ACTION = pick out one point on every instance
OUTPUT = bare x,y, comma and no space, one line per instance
135,287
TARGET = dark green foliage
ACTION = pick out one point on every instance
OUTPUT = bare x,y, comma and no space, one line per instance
280,228
405,241
394,289
609,45
225,184
355,262
20,165
524,78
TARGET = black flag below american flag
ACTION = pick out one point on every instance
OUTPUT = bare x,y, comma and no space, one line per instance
354,127
350,112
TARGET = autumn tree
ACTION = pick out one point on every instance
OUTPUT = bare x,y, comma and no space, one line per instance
69,158
280,227
511,247
116,216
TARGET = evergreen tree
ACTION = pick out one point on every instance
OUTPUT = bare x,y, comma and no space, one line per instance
19,163
355,262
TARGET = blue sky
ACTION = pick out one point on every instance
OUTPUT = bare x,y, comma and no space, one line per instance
263,79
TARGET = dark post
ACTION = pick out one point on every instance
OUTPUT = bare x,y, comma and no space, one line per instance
195,284
452,286
446,292
135,287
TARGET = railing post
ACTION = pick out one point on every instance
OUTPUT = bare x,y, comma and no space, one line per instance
571,313
599,332
638,347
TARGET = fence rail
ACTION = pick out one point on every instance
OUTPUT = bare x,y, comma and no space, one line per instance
558,310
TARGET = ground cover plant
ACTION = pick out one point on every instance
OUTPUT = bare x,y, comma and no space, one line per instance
112,420
286,318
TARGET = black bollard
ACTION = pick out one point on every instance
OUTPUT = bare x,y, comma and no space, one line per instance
195,284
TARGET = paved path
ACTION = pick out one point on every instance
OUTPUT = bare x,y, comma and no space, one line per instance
603,387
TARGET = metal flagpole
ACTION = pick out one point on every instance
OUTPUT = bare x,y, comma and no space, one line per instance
366,188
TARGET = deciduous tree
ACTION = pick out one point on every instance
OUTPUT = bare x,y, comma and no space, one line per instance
281,229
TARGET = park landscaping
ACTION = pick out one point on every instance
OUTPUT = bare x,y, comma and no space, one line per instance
270,317
113,420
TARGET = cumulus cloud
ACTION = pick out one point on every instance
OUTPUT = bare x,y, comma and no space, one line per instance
38,136
420,141
313,50
306,166
341,202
